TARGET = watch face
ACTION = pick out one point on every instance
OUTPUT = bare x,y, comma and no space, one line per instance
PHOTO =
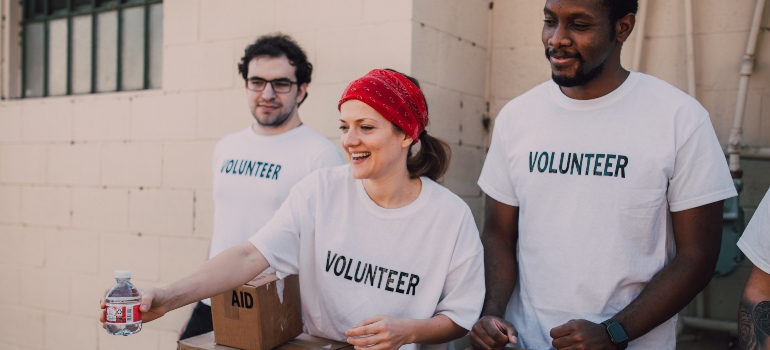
617,332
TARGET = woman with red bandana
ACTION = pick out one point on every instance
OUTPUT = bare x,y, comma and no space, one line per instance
386,257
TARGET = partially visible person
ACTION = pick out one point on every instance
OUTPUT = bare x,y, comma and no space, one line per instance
255,168
387,258
592,178
754,308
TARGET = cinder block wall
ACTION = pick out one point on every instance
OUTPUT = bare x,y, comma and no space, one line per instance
94,183
449,57
89,183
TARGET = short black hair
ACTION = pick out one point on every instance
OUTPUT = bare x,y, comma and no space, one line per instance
620,8
278,45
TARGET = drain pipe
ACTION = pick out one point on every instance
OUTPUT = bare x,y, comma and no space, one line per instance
747,66
734,149
4,71
486,118
641,20
755,152
688,20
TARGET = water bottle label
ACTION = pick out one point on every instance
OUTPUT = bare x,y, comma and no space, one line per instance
123,314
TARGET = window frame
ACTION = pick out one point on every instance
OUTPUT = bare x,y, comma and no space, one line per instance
69,12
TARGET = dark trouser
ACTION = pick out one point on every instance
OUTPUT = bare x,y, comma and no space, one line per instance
199,323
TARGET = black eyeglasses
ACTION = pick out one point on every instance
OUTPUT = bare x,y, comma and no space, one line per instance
280,86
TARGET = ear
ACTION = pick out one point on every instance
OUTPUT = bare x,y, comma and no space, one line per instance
624,27
408,140
301,93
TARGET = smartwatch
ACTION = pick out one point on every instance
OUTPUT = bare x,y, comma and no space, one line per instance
617,333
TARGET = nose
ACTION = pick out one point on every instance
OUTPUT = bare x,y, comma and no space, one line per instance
268,93
559,37
349,138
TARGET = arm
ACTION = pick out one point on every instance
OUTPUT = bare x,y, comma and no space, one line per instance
436,330
698,236
388,332
754,312
230,269
500,237
697,233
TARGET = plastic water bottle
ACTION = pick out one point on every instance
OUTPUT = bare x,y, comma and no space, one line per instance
123,300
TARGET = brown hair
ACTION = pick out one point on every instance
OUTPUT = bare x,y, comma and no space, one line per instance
432,159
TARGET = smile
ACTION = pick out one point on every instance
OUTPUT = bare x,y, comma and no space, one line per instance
562,61
360,155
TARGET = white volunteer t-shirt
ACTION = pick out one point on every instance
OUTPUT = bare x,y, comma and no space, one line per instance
356,260
594,181
253,175
755,241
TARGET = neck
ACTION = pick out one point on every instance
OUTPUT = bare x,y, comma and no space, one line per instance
394,191
610,79
289,124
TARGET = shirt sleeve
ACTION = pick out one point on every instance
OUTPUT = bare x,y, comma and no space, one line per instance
330,157
495,179
279,239
701,175
463,294
755,241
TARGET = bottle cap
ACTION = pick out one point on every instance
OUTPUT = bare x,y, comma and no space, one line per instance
122,273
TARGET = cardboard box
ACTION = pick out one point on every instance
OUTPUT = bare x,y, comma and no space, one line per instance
261,314
302,342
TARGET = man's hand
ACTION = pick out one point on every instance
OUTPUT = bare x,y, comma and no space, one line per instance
492,333
582,334
381,332
500,238
152,305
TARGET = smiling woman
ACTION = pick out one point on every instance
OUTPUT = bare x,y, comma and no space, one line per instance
397,97
387,258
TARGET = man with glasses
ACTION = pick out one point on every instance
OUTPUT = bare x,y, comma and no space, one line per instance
255,168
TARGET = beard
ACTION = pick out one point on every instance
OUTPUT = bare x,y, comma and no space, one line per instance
581,76
278,121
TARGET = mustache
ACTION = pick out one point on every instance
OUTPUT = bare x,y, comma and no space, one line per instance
562,54
269,104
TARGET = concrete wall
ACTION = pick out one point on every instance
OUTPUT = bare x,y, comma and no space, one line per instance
94,183
88,183
449,57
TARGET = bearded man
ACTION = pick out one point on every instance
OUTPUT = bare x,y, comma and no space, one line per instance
592,179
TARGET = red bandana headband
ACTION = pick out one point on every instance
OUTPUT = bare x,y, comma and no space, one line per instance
394,96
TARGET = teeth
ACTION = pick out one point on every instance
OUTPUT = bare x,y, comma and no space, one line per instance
360,155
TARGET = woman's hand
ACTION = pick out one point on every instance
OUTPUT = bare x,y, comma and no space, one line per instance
152,307
381,332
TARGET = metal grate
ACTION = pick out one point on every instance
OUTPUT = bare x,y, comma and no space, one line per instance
90,46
